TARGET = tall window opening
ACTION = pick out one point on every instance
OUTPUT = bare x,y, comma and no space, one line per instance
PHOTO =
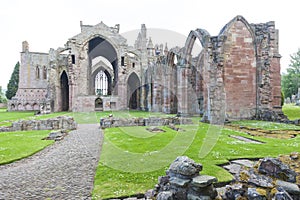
101,83
37,72
44,72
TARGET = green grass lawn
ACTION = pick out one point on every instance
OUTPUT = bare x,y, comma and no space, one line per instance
291,111
17,145
132,158
266,125
131,161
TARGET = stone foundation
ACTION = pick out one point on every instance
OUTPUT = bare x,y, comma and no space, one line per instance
152,121
63,122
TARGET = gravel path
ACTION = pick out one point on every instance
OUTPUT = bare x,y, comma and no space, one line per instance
64,170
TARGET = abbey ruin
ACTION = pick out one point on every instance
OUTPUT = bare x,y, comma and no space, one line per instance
236,75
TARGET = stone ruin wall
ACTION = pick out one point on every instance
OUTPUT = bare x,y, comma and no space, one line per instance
244,72
63,123
236,76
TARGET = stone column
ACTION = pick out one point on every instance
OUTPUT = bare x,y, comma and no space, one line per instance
182,90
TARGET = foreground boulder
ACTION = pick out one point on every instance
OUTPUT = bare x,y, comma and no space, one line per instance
183,181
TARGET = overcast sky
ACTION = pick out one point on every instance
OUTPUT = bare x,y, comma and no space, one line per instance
49,24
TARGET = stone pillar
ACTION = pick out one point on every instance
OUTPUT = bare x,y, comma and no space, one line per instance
156,97
167,92
149,97
142,97
182,90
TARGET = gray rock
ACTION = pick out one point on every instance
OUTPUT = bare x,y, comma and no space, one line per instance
179,181
235,191
204,180
274,167
281,194
166,195
260,180
244,162
233,168
185,166
291,188
254,195
195,197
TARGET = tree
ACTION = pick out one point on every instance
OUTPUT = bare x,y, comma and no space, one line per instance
13,83
290,82
2,96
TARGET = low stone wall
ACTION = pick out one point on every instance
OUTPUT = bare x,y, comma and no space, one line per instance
62,122
151,121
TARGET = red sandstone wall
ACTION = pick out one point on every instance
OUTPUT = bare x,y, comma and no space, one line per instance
239,72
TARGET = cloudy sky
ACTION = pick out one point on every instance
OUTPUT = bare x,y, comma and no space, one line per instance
49,23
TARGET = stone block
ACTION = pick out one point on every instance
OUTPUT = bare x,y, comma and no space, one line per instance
203,180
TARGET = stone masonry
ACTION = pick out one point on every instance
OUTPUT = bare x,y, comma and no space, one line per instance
62,122
235,76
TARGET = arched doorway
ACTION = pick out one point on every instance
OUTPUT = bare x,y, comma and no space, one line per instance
64,85
99,104
133,91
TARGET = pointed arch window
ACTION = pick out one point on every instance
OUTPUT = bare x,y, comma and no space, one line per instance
101,83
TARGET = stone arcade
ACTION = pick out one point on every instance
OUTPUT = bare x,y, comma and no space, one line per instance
236,75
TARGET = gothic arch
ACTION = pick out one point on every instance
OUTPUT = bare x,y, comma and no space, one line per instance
106,80
238,18
64,88
201,34
102,64
239,68
101,46
133,91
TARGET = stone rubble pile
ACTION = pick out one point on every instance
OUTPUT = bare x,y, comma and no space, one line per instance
269,178
183,182
266,179
151,121
61,122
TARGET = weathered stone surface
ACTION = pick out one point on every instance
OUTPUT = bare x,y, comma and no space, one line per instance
56,135
179,181
204,180
234,191
281,194
166,195
119,122
233,168
274,167
291,188
185,167
244,162
253,194
260,180
62,122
